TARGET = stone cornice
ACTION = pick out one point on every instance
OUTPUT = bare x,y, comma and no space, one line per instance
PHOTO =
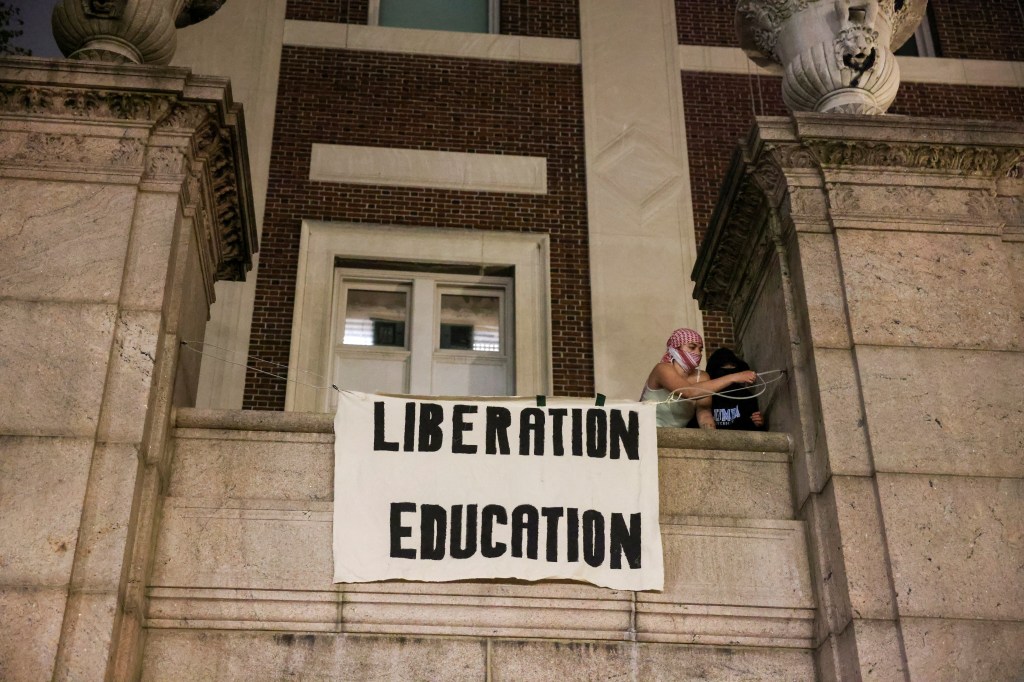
141,124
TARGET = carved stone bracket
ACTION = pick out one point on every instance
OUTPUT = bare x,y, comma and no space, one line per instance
214,147
737,234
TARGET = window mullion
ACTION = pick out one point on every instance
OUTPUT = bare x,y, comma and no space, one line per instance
421,339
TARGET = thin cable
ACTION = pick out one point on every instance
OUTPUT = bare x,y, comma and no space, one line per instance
1020,7
760,95
189,346
247,357
750,85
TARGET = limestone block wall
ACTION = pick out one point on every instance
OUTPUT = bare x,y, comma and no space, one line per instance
241,581
112,187
881,257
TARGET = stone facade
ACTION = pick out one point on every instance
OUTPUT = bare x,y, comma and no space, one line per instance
241,577
126,196
880,268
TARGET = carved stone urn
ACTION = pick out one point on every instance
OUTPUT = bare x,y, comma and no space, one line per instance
125,31
837,55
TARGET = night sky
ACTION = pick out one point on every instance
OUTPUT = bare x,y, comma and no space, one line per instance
38,36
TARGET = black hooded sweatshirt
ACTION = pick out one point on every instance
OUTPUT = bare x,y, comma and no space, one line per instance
732,411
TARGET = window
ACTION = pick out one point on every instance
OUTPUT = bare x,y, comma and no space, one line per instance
922,43
418,310
425,333
469,16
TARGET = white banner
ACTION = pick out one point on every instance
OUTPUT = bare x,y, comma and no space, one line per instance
444,490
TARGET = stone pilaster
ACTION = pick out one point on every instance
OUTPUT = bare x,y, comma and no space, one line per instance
125,197
640,217
879,261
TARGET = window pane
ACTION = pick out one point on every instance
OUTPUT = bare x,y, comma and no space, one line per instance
439,15
375,318
909,48
471,323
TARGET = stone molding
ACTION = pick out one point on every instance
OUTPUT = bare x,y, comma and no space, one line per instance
732,581
85,103
155,138
395,167
943,158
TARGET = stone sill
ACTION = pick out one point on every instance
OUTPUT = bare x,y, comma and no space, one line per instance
311,422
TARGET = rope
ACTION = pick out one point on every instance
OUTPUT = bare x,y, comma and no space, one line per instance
777,375
763,386
191,345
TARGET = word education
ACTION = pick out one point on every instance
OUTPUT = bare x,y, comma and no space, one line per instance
464,530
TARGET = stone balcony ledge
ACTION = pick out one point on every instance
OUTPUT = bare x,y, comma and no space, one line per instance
310,422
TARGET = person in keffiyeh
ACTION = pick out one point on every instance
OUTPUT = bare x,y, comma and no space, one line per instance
680,388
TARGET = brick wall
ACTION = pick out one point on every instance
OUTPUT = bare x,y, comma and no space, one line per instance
979,29
462,105
719,111
947,101
344,11
545,19
714,23
965,29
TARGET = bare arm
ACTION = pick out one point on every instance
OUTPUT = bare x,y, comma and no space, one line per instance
664,376
705,417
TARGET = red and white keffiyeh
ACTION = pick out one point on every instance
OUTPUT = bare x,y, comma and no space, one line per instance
680,338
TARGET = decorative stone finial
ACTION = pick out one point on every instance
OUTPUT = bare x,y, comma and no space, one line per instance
136,31
837,55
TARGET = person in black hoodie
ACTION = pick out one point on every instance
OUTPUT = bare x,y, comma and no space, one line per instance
736,409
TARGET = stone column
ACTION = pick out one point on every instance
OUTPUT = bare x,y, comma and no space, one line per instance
124,197
879,261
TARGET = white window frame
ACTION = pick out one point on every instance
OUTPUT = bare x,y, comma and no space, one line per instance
924,37
323,243
493,16
422,349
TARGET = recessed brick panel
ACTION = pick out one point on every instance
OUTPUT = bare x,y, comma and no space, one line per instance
949,101
437,103
979,29
343,11
708,22
542,19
